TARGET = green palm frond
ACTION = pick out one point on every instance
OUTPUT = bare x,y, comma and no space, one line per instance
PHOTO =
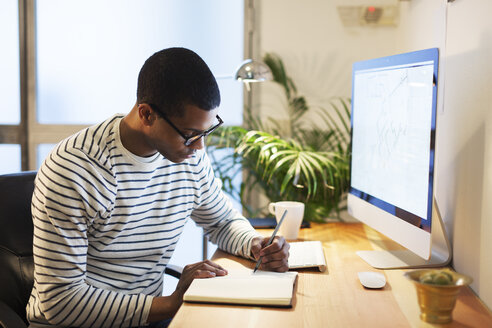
288,162
279,74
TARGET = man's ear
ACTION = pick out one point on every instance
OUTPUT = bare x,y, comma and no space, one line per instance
146,114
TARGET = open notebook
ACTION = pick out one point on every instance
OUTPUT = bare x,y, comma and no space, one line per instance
244,287
307,254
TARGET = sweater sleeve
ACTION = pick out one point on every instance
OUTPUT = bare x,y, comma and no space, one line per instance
222,223
68,194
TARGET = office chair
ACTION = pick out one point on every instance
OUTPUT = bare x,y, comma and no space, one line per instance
16,258
16,262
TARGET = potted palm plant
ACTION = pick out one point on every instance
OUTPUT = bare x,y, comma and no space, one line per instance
299,161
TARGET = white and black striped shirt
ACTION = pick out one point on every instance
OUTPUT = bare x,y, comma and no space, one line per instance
106,223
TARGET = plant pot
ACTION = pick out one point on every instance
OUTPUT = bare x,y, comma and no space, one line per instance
437,302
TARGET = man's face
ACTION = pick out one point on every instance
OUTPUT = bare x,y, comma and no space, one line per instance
164,138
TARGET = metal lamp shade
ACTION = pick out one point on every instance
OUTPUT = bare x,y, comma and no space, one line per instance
253,71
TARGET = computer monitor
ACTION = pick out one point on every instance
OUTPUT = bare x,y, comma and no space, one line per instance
394,101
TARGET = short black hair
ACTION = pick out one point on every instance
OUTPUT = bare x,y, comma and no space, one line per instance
174,77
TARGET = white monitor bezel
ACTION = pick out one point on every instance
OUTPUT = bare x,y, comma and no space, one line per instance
414,238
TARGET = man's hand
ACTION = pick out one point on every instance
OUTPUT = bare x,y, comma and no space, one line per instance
203,269
275,256
165,307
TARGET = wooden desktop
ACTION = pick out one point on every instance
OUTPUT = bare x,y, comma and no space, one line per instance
335,298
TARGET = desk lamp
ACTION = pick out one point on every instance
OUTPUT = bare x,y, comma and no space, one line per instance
250,71
253,71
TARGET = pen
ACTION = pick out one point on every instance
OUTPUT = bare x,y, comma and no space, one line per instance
270,240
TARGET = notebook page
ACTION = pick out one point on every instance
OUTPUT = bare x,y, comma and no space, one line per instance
244,287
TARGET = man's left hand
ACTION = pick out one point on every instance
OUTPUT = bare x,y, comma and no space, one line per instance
275,255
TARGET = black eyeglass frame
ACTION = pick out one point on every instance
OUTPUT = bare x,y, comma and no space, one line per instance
194,138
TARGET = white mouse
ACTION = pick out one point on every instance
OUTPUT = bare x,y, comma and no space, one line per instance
370,279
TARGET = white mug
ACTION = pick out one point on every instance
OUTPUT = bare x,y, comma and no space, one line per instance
293,219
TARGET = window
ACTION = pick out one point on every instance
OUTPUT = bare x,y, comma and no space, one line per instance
12,153
9,65
85,72
10,148
83,60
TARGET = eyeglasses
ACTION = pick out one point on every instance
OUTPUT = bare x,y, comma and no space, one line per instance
188,140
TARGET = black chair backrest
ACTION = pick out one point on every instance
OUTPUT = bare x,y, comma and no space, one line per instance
16,235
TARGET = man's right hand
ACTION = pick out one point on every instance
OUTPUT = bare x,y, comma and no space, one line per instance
203,269
165,307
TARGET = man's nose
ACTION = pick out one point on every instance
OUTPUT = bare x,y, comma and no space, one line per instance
199,144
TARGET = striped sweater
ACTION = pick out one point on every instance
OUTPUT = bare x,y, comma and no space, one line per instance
106,223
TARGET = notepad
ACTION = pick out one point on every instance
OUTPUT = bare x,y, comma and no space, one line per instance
307,254
245,287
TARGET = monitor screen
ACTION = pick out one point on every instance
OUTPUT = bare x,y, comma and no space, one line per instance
394,102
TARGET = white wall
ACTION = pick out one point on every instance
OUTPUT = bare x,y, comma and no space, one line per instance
466,140
317,50
318,53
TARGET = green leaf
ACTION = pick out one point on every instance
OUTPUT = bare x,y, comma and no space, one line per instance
288,176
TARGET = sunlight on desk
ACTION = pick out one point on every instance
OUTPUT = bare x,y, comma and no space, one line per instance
334,298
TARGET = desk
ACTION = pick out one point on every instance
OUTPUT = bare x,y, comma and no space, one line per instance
335,298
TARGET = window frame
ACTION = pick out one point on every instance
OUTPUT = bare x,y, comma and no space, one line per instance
29,133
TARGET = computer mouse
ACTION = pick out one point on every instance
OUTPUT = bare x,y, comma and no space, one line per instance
371,279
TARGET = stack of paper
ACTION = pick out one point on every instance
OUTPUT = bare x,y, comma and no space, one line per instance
307,254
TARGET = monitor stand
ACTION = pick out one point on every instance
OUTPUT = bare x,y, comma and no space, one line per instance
404,259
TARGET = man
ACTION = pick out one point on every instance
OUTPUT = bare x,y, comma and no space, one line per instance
110,203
